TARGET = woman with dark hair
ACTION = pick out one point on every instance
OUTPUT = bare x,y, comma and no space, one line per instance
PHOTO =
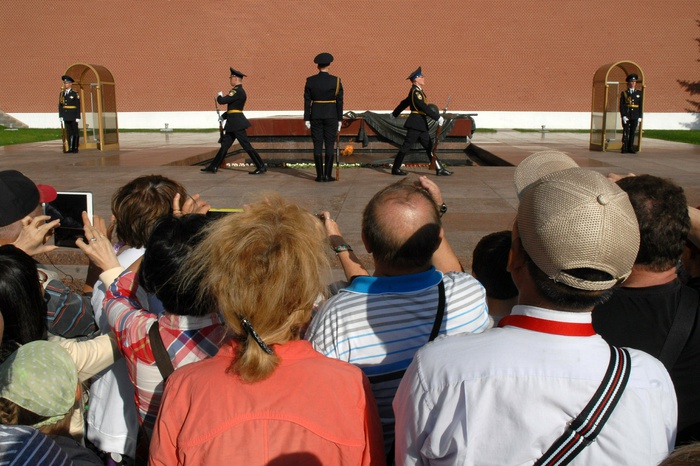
21,299
22,304
267,396
113,420
189,330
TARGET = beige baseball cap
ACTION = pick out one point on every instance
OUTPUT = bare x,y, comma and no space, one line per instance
572,218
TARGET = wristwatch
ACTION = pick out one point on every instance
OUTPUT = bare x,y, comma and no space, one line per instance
443,209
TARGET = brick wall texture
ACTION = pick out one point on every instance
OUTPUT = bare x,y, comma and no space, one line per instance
488,55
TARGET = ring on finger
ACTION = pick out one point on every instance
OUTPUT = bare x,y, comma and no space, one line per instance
93,239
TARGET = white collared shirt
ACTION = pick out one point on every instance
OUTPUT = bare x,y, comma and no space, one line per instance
504,396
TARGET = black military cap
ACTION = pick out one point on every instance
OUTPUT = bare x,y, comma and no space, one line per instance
67,79
632,77
415,74
323,59
236,73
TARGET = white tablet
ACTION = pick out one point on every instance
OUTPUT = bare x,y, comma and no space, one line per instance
69,207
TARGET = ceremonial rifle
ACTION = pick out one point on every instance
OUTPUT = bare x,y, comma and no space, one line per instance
218,114
337,156
433,156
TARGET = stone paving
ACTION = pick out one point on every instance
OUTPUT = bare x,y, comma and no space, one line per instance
481,199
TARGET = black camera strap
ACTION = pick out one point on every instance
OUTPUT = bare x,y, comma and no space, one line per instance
583,430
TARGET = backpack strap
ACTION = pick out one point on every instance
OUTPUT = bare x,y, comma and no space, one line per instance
440,312
163,361
680,328
583,430
433,334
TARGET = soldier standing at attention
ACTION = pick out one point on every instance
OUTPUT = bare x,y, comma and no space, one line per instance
236,124
69,113
631,111
323,113
417,124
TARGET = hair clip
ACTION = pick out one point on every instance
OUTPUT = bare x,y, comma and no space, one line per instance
248,327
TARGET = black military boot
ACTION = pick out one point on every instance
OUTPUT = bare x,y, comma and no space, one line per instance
328,169
440,169
259,164
213,167
318,162
396,168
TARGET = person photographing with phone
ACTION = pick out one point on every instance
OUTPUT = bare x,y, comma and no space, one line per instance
22,224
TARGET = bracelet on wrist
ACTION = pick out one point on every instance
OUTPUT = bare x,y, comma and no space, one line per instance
342,247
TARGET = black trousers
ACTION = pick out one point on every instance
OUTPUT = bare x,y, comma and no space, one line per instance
628,131
71,129
413,136
324,131
72,135
227,142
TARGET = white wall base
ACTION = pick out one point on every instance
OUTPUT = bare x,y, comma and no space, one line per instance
495,120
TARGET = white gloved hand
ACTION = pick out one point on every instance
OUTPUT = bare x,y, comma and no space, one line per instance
639,119
340,124
221,94
60,118
307,124
625,120
441,121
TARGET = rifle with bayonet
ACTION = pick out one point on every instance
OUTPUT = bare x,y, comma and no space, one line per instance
218,114
433,156
337,156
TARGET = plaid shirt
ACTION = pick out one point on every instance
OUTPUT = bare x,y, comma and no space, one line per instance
187,339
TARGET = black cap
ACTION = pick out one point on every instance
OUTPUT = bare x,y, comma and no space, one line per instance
67,79
632,77
415,74
323,59
19,196
236,73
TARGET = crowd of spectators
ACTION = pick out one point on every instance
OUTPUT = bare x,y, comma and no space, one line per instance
574,340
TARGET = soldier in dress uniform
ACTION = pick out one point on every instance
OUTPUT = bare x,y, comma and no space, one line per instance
69,113
236,124
417,124
631,112
323,113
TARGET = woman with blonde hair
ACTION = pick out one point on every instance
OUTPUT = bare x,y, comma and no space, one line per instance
266,396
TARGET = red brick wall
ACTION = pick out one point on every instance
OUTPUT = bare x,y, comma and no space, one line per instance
489,55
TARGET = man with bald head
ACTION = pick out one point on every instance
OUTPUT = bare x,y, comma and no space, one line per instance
418,290
544,388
